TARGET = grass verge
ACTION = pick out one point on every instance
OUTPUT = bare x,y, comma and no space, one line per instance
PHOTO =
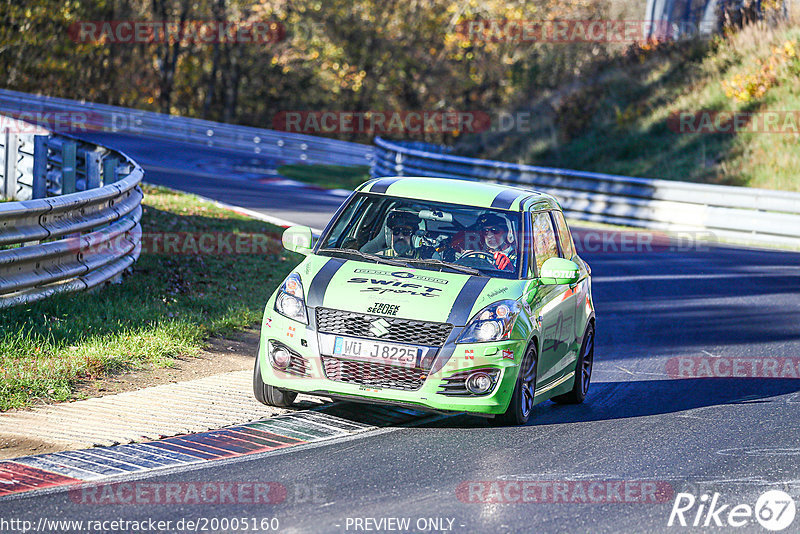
166,308
327,176
623,120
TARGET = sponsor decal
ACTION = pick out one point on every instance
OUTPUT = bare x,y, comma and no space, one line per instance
290,332
497,292
268,322
384,309
508,354
388,286
469,354
403,274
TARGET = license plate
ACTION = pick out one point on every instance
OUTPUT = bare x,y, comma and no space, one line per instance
376,352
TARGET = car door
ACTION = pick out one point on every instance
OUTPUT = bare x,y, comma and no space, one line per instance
553,309
580,288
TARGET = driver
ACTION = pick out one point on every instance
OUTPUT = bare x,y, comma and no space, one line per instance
403,225
494,233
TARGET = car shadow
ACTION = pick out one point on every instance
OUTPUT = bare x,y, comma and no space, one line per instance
620,400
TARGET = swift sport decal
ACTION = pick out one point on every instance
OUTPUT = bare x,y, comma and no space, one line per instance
382,287
402,274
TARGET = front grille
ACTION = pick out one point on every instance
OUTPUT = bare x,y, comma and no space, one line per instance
373,374
399,330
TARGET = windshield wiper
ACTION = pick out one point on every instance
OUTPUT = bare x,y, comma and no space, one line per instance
461,268
366,255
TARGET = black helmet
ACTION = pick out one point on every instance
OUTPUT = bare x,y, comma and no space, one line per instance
491,219
403,218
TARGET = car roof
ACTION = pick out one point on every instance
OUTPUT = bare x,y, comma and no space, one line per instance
466,192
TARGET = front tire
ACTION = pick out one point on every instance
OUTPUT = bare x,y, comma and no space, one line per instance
583,371
521,405
269,395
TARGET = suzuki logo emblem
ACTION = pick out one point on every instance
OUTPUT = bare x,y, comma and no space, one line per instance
379,328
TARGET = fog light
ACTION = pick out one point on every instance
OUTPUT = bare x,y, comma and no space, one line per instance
479,383
281,357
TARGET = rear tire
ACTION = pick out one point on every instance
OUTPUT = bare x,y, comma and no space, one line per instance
269,395
521,405
583,371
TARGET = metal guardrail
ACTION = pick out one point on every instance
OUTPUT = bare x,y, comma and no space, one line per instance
86,235
740,213
284,146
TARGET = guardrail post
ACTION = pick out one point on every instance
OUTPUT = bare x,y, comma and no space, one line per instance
398,164
109,170
69,151
39,167
9,183
92,169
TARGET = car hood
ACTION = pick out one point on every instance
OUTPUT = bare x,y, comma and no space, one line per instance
420,294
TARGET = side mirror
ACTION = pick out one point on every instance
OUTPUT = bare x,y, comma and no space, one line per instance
297,239
557,271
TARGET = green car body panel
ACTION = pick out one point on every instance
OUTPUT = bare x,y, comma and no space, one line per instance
554,316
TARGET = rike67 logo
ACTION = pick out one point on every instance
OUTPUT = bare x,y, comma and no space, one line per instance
774,510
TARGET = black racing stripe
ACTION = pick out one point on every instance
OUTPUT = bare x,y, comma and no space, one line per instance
382,185
505,199
316,292
459,315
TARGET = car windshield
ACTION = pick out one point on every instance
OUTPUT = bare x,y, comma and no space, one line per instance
427,235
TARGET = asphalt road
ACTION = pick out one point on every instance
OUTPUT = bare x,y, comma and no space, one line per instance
719,309
249,181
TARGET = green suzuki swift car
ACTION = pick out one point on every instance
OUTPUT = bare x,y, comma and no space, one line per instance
434,294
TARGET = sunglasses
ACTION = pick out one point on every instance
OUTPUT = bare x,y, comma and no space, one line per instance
492,230
403,231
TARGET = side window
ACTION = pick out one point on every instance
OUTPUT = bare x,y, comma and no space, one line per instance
564,236
544,239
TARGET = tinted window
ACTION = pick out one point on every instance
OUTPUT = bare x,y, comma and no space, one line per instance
544,239
564,237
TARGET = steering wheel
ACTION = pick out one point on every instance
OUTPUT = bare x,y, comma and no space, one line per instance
489,258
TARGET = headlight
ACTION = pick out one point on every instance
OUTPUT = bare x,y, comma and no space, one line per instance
290,301
493,323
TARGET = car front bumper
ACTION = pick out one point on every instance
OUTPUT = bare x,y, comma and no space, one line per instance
311,376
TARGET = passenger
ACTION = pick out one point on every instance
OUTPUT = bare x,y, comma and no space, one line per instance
403,225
